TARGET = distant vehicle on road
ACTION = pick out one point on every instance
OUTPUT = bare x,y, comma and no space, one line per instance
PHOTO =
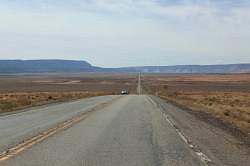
124,92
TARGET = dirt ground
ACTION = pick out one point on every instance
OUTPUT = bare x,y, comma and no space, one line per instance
22,91
91,82
225,97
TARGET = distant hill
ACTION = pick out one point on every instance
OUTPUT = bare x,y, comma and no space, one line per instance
46,66
228,68
42,66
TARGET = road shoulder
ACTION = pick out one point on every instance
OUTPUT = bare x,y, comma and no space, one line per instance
222,147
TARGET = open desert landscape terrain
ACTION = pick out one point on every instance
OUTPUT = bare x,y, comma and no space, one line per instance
27,90
125,83
225,97
174,119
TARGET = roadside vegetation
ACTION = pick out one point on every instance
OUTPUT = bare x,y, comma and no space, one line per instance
225,97
23,91
15,101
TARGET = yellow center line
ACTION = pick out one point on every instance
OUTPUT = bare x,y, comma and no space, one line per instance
11,152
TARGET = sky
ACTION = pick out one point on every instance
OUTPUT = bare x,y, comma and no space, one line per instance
117,33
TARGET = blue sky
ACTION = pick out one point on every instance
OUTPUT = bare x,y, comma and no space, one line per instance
114,33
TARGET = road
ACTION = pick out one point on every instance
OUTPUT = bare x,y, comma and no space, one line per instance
17,127
139,88
132,130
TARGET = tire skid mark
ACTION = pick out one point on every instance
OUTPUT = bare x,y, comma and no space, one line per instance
204,158
26,144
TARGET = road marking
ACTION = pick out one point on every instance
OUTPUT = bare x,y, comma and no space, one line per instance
13,151
204,158
42,136
139,89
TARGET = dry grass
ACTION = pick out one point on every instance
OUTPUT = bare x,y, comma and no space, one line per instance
72,82
22,91
231,107
230,101
15,101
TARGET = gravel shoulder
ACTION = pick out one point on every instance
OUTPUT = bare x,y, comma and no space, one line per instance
219,144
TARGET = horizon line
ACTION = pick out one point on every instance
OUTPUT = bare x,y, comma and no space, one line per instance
128,65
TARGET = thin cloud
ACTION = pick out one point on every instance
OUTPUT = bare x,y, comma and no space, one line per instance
124,32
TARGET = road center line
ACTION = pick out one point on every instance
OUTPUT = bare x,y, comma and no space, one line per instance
13,151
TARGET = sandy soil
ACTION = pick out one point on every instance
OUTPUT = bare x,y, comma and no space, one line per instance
22,91
225,97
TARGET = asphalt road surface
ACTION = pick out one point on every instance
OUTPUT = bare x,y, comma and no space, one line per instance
17,127
133,130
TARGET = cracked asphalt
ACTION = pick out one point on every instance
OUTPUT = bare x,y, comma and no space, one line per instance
129,132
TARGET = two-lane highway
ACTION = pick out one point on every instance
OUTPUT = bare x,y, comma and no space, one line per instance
132,130
129,132
15,128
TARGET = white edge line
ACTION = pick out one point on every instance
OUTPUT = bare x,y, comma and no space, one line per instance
204,158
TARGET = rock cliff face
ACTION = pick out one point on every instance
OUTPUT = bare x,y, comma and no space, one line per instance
42,66
229,68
